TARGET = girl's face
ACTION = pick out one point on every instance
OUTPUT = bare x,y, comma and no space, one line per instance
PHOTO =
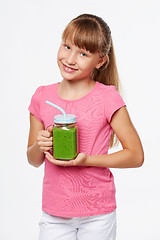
76,63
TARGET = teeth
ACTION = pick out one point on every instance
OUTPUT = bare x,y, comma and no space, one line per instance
68,69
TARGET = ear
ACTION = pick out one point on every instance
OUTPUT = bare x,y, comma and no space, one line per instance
102,60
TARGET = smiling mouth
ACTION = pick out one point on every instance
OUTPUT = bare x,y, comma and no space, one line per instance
68,69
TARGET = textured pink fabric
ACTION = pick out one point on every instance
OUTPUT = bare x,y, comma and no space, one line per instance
79,191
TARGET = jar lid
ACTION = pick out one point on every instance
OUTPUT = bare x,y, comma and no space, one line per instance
69,118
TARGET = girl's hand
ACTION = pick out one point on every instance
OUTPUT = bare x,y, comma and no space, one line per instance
45,139
78,161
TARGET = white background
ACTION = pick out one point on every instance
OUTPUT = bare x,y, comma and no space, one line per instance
30,36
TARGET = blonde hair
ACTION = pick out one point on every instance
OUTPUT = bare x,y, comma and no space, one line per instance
90,32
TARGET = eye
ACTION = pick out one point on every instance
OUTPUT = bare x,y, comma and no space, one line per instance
83,54
66,46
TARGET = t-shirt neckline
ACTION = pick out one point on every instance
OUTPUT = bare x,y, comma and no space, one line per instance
78,99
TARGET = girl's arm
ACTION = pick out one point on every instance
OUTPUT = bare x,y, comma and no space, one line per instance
39,142
131,156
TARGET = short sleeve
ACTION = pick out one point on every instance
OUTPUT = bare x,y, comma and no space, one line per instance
35,103
113,102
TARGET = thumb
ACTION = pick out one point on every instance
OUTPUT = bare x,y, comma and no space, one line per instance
49,128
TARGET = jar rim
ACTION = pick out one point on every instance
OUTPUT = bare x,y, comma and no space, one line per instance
69,118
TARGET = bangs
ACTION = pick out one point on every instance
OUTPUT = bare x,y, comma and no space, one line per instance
84,34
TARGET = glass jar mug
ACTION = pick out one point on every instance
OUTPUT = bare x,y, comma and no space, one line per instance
65,144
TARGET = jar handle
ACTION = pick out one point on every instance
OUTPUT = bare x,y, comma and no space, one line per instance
51,150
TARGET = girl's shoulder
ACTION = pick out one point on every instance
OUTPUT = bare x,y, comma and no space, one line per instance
110,93
46,89
106,88
43,92
112,100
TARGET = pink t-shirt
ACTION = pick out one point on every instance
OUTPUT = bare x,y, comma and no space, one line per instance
79,191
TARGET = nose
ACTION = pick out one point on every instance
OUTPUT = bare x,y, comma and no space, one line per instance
71,58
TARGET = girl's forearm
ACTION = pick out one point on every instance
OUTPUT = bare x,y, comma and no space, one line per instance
122,159
34,155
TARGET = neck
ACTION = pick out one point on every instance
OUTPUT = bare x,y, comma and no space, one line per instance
77,85
75,89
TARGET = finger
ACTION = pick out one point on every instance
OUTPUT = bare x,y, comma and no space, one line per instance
45,149
57,162
44,144
45,133
44,139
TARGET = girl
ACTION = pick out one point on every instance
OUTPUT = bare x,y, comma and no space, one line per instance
79,195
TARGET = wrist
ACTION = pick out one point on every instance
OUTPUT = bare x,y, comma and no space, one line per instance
96,161
90,161
34,155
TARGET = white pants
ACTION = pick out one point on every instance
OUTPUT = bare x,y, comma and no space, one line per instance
100,227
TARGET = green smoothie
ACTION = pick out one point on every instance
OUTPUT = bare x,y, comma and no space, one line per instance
65,143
